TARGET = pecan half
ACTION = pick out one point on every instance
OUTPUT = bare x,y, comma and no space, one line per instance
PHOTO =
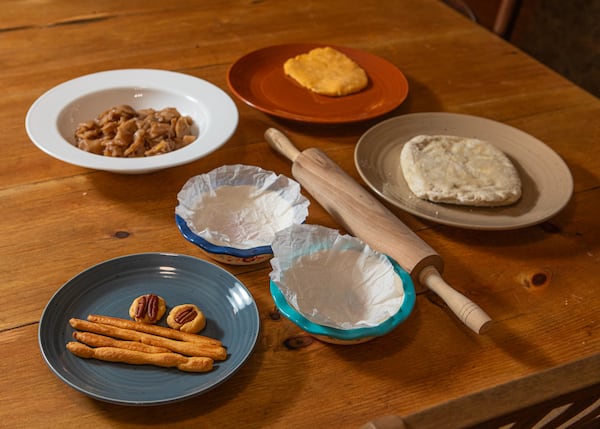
152,307
185,315
147,306
140,310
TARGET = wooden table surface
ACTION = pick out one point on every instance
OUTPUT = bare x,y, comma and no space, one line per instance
538,283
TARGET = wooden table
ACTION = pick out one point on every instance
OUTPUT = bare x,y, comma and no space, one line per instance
539,283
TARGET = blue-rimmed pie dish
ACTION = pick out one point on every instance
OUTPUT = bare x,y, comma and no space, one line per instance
233,212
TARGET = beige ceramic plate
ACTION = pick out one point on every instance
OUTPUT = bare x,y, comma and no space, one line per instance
546,179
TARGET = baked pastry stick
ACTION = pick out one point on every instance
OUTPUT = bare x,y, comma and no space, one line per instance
96,340
153,329
167,360
183,347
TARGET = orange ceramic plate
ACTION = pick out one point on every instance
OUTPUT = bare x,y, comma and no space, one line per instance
258,79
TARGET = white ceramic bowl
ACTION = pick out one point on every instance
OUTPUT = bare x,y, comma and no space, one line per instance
52,119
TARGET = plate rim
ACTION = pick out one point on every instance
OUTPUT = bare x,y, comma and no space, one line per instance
568,185
283,113
42,115
167,400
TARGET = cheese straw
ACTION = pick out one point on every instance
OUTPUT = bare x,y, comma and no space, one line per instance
96,340
152,329
133,357
183,347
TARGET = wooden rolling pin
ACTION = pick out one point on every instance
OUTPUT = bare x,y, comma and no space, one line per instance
363,216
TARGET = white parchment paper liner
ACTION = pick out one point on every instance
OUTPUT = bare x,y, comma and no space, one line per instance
334,280
240,206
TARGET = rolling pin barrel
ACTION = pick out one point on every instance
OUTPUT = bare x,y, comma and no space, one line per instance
362,215
359,212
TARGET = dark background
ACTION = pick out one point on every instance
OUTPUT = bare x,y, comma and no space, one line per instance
562,34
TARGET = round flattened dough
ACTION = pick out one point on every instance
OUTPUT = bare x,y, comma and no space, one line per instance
459,170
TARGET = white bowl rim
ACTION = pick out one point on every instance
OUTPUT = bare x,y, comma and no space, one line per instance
41,119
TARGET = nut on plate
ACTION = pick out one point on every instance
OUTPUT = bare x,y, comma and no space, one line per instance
147,308
186,318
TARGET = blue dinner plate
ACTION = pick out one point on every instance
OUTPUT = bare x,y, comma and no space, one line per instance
109,288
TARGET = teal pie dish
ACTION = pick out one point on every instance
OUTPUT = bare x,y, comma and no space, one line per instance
349,336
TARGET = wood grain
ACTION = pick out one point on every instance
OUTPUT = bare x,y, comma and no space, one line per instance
539,283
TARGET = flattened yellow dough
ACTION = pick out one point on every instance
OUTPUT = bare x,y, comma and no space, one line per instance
326,71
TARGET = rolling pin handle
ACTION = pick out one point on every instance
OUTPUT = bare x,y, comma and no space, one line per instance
279,141
465,309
